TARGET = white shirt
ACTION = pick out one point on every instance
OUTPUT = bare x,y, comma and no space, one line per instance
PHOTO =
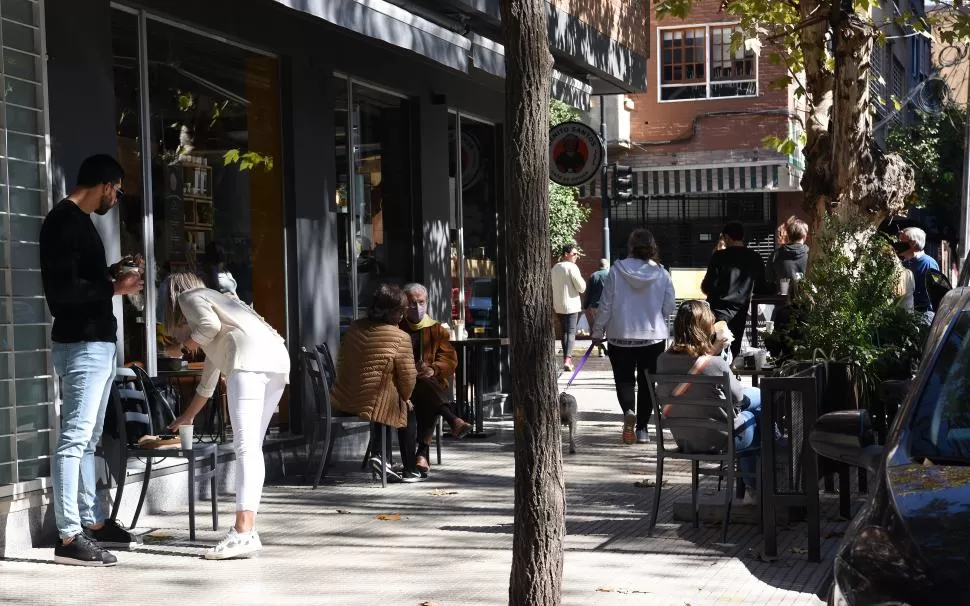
233,337
567,285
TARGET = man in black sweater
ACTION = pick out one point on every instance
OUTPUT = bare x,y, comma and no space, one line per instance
732,276
79,287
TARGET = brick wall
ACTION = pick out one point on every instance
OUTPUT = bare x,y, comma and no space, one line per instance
653,121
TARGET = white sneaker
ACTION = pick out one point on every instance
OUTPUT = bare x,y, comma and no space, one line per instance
235,545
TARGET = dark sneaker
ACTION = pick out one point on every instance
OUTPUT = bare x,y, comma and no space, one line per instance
409,477
376,463
82,552
112,536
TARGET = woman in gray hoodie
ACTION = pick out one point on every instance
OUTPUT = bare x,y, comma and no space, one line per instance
638,297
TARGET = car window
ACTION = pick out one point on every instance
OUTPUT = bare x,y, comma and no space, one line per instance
941,425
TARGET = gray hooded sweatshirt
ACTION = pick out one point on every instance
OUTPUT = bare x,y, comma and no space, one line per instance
638,297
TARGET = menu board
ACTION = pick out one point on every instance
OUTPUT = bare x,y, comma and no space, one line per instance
173,229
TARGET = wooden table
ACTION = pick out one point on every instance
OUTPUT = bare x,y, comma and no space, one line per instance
472,348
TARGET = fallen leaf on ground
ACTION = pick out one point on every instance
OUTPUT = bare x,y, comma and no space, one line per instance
389,517
158,535
647,483
428,603
437,492
605,589
342,511
800,550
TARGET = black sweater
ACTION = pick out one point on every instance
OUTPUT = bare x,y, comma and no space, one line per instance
732,276
76,280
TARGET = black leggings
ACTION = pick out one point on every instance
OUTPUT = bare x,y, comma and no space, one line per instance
568,324
429,402
630,368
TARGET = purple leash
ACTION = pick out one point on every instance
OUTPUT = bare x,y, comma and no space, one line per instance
579,366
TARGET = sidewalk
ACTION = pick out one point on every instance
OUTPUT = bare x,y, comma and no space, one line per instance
452,544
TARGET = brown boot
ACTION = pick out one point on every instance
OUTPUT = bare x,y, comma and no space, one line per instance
461,428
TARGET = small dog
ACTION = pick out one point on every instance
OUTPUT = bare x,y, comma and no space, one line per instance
568,411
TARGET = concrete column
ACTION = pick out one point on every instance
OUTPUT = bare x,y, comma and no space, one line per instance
433,252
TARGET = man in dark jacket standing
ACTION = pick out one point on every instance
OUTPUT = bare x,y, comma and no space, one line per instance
594,292
791,258
732,276
79,287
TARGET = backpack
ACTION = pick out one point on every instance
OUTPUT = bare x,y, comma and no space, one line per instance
142,417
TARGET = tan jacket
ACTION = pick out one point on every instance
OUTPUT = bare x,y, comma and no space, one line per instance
436,352
375,373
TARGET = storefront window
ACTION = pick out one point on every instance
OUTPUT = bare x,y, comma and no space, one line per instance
214,160
475,240
374,202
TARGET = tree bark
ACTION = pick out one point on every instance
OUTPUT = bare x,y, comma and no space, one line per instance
540,504
819,84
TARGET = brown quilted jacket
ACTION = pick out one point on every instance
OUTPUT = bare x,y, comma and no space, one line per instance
437,352
375,373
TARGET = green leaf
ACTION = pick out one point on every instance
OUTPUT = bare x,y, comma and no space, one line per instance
230,157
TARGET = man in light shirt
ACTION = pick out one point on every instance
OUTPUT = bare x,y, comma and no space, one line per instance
567,286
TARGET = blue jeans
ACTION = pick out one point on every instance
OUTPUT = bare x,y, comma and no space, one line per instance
746,435
85,370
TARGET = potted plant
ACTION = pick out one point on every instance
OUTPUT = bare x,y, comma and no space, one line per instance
846,314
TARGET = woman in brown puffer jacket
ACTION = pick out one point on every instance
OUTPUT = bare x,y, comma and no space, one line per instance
376,374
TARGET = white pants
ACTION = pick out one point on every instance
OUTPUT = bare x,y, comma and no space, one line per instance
253,397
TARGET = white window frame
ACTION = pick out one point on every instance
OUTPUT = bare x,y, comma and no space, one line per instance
707,65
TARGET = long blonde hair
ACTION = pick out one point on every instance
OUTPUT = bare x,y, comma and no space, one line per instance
693,328
178,283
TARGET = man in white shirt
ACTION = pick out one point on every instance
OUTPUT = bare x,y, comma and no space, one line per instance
567,286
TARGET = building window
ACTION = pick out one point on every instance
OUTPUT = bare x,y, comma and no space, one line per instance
898,86
698,63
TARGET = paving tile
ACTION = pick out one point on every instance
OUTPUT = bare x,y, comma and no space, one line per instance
453,542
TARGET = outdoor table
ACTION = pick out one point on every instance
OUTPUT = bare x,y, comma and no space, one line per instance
214,421
472,348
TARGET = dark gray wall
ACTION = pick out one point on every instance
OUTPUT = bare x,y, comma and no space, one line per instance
434,199
81,102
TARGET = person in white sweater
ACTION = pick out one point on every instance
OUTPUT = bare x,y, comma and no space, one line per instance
638,297
567,286
241,345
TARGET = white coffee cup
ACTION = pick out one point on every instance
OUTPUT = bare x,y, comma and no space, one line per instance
783,286
185,435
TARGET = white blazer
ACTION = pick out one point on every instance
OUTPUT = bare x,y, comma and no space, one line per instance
233,337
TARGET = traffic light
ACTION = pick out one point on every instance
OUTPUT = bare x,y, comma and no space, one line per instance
622,183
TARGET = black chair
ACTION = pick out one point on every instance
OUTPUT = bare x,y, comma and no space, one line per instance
129,385
319,370
703,397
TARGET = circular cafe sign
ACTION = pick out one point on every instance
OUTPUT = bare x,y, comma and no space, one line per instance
575,153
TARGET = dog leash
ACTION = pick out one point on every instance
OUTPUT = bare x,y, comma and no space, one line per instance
579,366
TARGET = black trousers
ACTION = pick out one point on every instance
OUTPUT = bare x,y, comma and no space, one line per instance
429,402
630,368
738,325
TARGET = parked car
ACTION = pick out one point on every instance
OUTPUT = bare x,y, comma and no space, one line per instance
909,543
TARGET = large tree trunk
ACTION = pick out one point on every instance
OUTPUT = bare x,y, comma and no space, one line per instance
540,504
819,82
845,171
